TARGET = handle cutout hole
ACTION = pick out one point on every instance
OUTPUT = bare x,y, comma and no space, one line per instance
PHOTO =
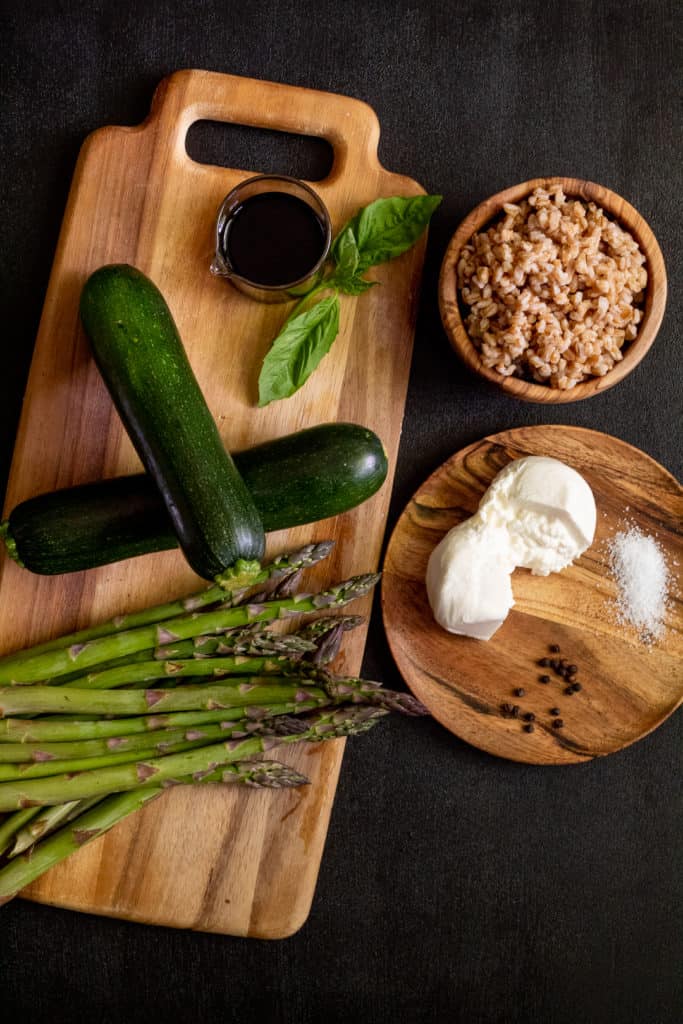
259,149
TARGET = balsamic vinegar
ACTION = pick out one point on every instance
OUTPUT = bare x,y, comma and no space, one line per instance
273,238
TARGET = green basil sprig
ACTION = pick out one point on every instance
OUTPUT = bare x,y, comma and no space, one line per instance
378,233
298,349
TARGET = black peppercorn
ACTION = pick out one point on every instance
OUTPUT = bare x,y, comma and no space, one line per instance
528,728
555,712
544,679
569,690
515,711
554,648
529,716
506,709
519,692
558,723
576,687
572,669
544,662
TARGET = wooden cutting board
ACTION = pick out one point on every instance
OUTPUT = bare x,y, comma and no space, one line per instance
238,863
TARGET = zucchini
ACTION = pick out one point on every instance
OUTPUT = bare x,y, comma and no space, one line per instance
310,475
142,360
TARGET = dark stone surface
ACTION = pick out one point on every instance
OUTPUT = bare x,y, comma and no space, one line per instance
454,886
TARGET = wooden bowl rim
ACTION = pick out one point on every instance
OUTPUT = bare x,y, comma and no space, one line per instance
655,295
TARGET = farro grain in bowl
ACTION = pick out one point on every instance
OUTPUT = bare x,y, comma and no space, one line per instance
554,289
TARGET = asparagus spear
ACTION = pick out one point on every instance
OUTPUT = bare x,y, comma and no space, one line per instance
328,633
46,820
240,692
158,745
252,640
106,813
58,728
149,671
13,823
244,640
231,584
58,789
27,666
159,741
318,628
241,641
365,691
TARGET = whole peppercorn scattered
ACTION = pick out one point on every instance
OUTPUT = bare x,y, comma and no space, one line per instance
515,711
528,728
555,665
569,690
572,669
529,716
555,712
576,687
519,692
506,710
544,662
554,648
544,679
558,723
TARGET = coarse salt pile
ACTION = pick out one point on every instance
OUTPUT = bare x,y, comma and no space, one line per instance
639,568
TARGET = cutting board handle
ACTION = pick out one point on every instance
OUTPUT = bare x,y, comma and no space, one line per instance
350,126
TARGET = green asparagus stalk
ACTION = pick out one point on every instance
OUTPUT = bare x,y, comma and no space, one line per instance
242,641
28,667
58,789
241,691
248,640
231,585
57,728
327,634
317,628
237,693
149,671
13,823
251,640
364,691
158,745
106,813
46,820
158,741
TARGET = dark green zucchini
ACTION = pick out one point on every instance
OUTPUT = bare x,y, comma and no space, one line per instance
310,475
142,360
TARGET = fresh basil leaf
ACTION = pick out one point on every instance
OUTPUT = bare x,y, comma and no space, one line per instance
385,229
354,285
298,349
345,254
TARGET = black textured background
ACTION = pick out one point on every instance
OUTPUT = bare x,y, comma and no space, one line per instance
454,887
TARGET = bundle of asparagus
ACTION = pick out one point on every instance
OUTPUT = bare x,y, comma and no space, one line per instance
97,723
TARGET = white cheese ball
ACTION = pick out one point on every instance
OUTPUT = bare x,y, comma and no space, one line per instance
548,510
468,580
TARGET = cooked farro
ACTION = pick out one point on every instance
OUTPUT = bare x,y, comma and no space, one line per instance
554,288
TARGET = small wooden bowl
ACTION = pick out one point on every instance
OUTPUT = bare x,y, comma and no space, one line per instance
655,294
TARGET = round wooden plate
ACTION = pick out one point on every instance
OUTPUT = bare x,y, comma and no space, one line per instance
628,687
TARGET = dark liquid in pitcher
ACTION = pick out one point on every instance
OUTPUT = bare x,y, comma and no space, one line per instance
273,239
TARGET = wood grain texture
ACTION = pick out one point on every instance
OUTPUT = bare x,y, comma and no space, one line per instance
239,863
655,297
629,688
